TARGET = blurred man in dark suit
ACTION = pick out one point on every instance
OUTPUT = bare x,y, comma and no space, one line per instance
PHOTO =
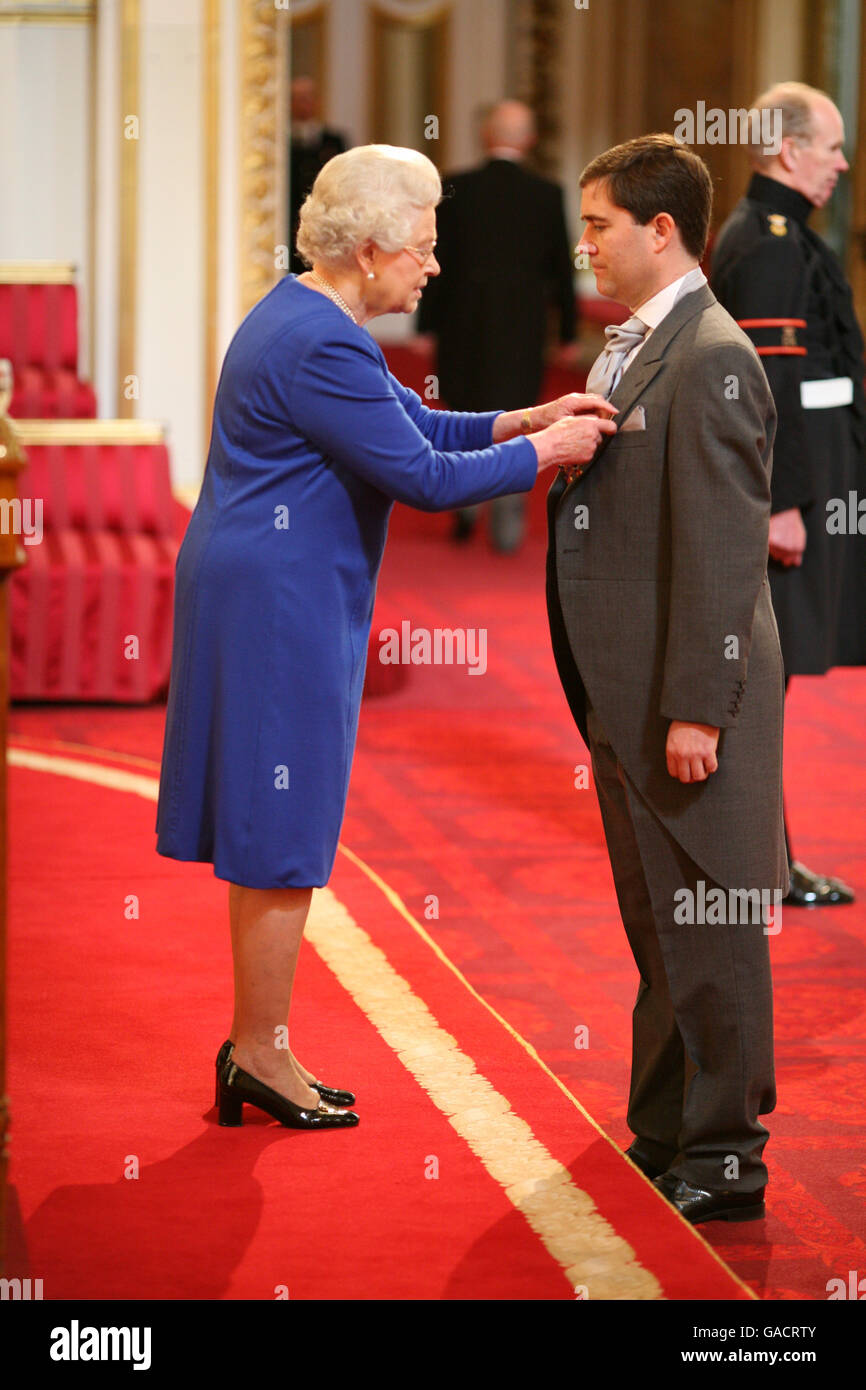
310,146
786,288
506,262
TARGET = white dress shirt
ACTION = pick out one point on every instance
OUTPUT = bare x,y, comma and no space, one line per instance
654,310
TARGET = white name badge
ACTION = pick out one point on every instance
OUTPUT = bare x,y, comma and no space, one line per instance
821,395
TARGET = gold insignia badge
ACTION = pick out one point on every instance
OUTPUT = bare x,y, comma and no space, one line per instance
778,223
789,337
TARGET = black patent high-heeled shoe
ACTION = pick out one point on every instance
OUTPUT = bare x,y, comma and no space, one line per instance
237,1086
328,1093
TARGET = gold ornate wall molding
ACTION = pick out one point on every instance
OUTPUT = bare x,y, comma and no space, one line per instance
211,46
127,134
264,52
35,12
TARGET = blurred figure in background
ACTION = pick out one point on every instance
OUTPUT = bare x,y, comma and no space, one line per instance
310,146
506,261
787,290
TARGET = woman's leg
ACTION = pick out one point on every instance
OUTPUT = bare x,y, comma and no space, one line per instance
267,925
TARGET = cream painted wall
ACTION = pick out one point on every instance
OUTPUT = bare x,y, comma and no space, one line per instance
45,149
106,219
169,346
228,303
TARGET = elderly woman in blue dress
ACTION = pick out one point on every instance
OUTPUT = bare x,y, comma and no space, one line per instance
313,440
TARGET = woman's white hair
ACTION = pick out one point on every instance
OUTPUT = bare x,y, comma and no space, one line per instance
369,193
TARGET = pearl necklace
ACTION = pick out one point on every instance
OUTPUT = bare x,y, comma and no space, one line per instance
333,294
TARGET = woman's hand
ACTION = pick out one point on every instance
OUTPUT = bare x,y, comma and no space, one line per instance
572,439
575,403
540,417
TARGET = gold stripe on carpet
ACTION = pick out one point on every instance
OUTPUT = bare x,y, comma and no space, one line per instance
575,1235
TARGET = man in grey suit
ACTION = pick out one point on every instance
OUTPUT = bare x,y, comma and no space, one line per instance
668,652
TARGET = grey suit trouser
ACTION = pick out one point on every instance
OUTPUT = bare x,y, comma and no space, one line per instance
702,1027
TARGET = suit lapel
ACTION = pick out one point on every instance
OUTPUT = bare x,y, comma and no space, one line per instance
683,310
631,385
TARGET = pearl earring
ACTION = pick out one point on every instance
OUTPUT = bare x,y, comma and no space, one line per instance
370,275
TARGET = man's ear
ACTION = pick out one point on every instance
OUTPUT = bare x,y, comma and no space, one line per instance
664,229
788,152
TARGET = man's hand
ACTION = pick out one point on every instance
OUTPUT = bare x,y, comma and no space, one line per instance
787,536
691,750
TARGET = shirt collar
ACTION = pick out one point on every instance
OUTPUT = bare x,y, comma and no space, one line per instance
779,197
654,310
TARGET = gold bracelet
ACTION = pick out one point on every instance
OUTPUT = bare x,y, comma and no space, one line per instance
526,421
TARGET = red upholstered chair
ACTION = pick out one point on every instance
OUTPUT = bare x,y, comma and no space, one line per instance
91,610
39,335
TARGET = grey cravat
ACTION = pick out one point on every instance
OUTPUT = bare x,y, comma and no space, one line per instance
608,367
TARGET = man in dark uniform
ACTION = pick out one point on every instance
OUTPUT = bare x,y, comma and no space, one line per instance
311,146
506,262
788,292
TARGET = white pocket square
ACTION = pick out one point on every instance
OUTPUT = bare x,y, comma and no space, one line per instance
635,421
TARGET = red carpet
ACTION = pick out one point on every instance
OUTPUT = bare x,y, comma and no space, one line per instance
463,793
127,1187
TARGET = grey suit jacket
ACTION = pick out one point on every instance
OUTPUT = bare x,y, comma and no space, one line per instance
657,591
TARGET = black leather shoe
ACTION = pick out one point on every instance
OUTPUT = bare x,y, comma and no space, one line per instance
814,890
237,1086
696,1204
650,1170
333,1097
222,1057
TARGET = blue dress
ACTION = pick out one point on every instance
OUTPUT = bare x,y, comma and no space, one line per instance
313,439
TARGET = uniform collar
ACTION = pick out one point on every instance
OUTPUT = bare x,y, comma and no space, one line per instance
779,197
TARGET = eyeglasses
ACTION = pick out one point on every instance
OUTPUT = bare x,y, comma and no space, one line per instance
425,252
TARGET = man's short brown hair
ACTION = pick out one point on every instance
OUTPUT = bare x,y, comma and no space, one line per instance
657,173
